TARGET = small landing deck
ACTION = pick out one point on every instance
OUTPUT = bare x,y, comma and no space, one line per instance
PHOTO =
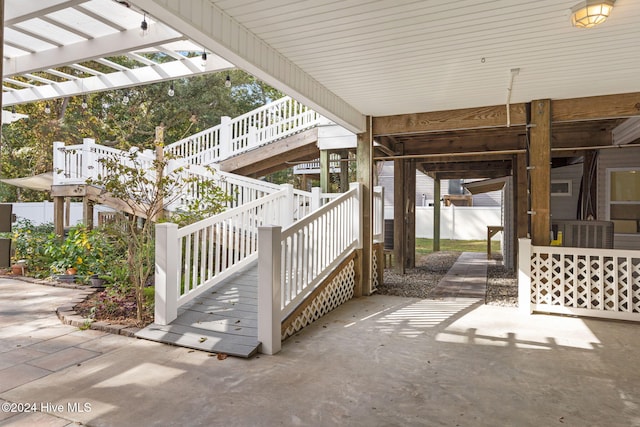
222,320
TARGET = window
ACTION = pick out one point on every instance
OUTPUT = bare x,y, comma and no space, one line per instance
624,200
561,187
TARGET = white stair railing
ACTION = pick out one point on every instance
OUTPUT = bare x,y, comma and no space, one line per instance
192,259
231,137
295,260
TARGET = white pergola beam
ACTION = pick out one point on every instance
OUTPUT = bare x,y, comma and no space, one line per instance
117,80
110,45
26,10
204,23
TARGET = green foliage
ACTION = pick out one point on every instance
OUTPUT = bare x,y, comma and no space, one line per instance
30,243
198,104
147,195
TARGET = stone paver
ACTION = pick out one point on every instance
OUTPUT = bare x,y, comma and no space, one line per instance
63,358
467,278
374,361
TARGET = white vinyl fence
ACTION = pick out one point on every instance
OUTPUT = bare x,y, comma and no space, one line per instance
42,212
456,222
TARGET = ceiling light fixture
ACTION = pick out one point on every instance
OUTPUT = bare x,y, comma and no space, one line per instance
227,81
171,90
144,25
589,13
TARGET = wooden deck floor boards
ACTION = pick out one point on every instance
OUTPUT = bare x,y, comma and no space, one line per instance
222,320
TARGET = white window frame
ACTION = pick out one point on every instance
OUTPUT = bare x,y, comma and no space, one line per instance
567,193
608,195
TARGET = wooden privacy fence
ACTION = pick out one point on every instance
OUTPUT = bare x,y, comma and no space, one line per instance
588,282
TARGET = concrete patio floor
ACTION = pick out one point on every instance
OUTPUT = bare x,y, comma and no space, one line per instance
375,361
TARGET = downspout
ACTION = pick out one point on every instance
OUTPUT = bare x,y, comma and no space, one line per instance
514,73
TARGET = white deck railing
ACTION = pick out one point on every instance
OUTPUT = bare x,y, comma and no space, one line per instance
231,137
74,163
587,282
192,259
295,260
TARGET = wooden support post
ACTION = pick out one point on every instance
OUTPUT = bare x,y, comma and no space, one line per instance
436,214
399,243
410,213
344,171
364,159
269,291
540,167
67,211
87,212
324,171
520,206
58,215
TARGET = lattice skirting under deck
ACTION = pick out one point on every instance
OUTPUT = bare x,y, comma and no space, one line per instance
334,294
598,285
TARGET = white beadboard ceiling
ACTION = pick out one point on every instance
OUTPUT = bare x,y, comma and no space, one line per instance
344,58
387,57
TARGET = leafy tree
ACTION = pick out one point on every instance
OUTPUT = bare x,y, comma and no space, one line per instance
198,104
146,197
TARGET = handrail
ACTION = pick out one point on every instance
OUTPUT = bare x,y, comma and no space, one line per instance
231,137
192,259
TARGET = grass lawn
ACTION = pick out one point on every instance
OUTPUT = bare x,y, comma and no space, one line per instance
425,246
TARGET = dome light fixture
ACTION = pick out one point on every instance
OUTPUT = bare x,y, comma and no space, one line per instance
227,81
171,90
589,13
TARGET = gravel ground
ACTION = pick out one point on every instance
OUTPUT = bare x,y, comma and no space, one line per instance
502,287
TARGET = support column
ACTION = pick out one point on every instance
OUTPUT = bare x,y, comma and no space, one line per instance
67,211
410,213
344,171
540,165
399,242
87,212
364,159
324,171
436,214
520,201
58,215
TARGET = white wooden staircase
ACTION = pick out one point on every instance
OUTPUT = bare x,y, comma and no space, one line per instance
208,293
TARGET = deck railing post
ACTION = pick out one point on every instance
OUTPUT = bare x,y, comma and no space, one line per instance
316,203
225,137
166,274
87,158
358,209
269,292
524,275
58,162
287,208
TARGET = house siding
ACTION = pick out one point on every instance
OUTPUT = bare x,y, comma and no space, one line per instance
616,158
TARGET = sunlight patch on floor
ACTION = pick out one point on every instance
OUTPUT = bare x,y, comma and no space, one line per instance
145,374
414,319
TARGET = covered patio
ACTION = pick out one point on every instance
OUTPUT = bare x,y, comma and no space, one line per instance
409,362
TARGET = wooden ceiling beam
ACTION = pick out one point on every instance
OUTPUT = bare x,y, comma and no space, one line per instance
499,173
449,120
467,166
563,110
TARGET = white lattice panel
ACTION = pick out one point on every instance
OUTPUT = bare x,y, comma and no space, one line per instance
594,282
336,293
375,280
